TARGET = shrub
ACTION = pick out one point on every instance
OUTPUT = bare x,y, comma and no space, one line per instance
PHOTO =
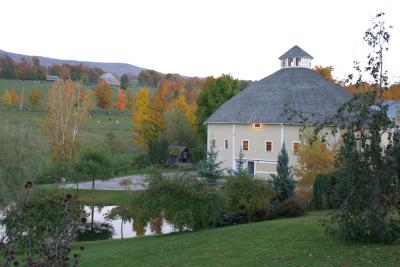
141,160
42,227
291,207
324,191
100,231
243,193
183,200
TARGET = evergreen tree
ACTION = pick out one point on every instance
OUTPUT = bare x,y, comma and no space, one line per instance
283,182
240,169
124,81
210,167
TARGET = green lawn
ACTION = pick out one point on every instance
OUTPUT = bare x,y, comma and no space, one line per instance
103,197
286,242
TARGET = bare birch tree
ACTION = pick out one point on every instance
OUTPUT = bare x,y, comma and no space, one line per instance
67,111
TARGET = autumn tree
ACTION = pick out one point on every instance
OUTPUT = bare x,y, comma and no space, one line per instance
325,72
104,95
34,97
120,105
6,98
214,93
179,129
89,98
10,97
66,112
314,157
124,81
148,122
130,100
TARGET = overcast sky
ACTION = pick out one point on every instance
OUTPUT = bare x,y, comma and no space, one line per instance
198,38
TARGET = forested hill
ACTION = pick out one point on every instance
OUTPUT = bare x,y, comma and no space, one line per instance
115,68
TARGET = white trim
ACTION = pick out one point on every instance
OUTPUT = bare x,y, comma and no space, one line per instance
267,172
248,145
262,160
233,147
272,146
255,168
295,142
282,134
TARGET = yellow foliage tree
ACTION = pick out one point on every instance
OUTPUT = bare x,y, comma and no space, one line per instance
185,108
89,98
66,112
130,100
104,95
148,122
34,97
314,157
6,98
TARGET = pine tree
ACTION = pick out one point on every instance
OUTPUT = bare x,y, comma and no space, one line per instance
124,81
210,168
240,169
283,182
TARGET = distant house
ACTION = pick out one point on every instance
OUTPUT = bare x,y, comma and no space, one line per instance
255,120
110,79
52,78
179,154
393,110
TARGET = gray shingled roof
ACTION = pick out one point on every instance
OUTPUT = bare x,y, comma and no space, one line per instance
295,51
299,89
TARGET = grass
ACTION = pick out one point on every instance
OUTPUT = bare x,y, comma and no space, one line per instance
93,131
285,242
104,197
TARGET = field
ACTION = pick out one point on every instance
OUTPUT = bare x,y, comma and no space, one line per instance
93,131
285,242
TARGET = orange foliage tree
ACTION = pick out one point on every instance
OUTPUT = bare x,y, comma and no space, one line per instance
104,95
314,157
120,105
148,122
34,97
326,72
10,97
66,112
393,93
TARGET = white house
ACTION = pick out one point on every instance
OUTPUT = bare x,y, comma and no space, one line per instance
256,120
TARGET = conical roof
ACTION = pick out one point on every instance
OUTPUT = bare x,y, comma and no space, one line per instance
296,51
299,89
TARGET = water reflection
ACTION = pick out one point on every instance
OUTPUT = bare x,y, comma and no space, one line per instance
124,229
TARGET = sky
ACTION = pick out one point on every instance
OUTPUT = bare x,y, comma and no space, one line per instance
199,38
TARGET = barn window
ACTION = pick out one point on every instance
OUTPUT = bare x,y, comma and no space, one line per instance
257,125
245,145
213,143
226,144
296,146
268,146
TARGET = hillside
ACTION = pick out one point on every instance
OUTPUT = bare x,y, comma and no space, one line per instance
285,242
115,68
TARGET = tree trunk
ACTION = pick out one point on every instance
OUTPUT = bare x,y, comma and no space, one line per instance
92,217
122,229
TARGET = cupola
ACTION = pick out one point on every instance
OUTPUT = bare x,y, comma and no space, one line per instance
296,58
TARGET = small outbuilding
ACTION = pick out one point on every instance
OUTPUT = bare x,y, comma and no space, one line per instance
179,155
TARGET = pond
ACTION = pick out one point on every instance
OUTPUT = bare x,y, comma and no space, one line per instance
125,229
128,229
